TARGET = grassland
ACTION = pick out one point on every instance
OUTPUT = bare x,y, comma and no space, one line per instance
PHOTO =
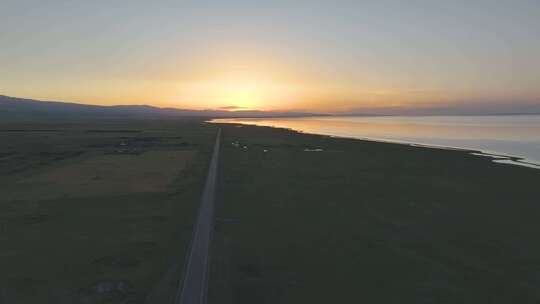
366,222
98,211
102,212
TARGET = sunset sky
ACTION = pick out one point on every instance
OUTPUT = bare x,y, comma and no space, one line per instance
326,56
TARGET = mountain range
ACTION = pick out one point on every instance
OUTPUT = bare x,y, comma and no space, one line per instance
21,108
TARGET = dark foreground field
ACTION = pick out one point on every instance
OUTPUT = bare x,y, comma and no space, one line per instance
98,211
102,212
365,222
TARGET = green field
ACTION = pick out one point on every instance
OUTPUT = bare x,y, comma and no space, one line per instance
102,212
366,222
98,211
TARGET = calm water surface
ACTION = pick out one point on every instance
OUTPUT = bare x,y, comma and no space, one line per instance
512,135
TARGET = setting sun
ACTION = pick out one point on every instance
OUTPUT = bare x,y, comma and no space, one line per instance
242,95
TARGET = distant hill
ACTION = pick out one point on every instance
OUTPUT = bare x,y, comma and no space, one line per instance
20,108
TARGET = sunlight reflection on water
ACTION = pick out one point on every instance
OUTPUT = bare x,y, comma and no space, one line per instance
513,135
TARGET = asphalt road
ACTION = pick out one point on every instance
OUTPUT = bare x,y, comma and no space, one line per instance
195,282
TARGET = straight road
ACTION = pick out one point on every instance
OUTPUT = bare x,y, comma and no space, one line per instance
195,286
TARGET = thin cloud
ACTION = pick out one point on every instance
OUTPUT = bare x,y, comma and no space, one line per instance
232,108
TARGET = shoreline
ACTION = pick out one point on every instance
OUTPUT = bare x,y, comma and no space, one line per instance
369,212
496,157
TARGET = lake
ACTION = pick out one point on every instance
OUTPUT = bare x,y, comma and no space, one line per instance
506,135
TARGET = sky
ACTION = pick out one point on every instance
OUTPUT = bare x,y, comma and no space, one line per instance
319,56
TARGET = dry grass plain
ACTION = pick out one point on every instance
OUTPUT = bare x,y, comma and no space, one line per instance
98,211
106,174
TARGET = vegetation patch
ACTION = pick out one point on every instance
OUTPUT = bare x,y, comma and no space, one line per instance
78,226
108,175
